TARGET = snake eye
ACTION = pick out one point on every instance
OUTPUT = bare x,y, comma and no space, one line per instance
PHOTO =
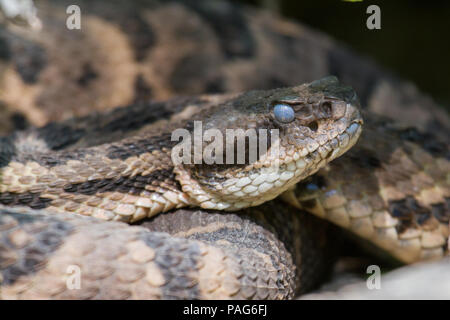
284,113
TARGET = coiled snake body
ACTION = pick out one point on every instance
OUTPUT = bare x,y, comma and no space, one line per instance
391,188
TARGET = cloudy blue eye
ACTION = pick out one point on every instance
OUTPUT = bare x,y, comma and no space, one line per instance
284,113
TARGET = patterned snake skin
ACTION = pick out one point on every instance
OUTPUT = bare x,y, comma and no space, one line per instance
392,188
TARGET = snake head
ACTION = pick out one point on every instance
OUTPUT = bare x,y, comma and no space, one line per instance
266,141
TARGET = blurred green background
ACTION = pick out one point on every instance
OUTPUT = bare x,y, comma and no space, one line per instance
414,40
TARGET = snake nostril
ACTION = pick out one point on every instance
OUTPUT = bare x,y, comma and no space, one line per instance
313,126
325,107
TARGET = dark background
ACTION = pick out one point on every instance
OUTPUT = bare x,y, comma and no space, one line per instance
414,40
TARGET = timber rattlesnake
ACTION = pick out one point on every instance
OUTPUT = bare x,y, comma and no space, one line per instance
398,196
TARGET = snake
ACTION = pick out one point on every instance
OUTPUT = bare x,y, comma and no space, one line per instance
202,231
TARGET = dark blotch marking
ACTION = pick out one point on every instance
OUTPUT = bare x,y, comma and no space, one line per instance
441,212
87,76
30,61
21,218
100,128
128,185
19,121
5,51
142,91
193,70
59,136
409,212
216,85
428,141
33,256
140,33
56,135
28,58
55,159
29,199
365,159
138,147
7,150
228,22
128,17
132,118
177,261
135,117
